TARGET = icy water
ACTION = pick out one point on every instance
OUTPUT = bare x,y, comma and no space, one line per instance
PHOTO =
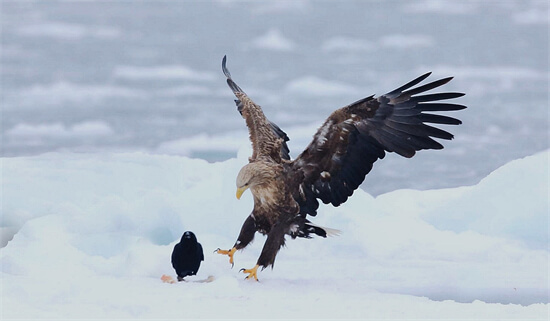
125,76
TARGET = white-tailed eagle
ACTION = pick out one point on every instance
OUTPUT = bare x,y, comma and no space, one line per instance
334,164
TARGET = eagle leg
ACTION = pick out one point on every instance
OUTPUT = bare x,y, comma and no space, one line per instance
252,273
245,237
229,253
275,240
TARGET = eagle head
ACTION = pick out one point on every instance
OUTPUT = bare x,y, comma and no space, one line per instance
252,175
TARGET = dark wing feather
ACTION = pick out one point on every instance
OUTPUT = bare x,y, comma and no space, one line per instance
285,151
345,148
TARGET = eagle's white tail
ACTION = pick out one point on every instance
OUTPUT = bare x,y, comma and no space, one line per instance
329,231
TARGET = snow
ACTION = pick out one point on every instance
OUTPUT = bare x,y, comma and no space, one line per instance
441,7
406,41
273,39
347,44
75,94
67,31
391,41
84,130
93,233
534,15
150,73
162,72
202,143
314,86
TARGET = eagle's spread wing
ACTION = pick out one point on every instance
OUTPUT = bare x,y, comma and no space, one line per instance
267,138
345,147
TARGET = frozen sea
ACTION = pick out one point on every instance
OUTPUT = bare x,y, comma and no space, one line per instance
96,76
118,133
95,233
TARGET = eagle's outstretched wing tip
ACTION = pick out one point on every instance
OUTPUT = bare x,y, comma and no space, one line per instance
398,124
234,87
224,68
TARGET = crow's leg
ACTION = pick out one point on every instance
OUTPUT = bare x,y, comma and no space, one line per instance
245,237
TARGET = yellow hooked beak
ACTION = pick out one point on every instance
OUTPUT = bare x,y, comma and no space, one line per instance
240,191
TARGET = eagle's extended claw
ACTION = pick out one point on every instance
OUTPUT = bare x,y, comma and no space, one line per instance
253,272
228,253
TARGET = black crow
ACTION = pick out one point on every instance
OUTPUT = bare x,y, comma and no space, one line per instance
187,256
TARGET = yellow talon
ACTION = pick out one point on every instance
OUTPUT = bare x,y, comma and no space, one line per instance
253,272
228,253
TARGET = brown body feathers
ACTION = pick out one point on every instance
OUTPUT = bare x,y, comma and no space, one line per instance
336,161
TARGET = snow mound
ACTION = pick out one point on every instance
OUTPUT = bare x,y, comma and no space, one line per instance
93,233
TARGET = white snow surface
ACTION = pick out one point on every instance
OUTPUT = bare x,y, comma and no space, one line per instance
94,233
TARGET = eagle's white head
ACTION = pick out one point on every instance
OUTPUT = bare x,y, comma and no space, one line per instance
252,175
